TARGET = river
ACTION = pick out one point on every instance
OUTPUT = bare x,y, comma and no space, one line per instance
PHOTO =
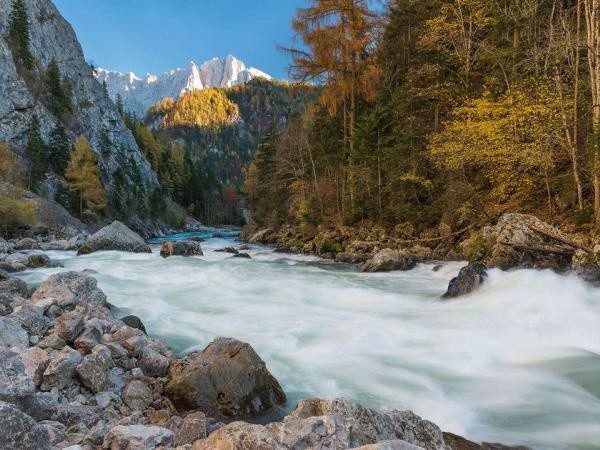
517,362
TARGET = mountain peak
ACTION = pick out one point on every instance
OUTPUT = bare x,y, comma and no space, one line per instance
139,94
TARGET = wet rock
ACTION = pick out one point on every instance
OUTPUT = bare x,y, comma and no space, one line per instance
192,428
12,335
12,267
242,255
387,260
153,363
181,248
134,322
137,395
12,286
137,437
469,278
67,290
19,431
231,250
26,244
94,370
59,373
226,379
37,261
69,325
115,236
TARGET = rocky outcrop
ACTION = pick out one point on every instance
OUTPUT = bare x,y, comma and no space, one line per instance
468,279
387,260
227,379
181,248
115,236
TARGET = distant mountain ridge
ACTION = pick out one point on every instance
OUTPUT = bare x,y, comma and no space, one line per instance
140,93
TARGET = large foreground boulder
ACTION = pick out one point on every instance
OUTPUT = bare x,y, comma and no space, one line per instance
387,260
67,290
19,431
468,279
225,380
115,236
181,248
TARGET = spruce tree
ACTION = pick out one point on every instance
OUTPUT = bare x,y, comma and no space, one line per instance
36,153
60,103
59,149
120,105
83,176
19,34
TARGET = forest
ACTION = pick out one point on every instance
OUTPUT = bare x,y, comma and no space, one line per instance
437,116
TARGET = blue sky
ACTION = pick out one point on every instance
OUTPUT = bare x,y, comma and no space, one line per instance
158,35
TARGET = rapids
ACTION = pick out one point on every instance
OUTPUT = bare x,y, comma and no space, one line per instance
516,362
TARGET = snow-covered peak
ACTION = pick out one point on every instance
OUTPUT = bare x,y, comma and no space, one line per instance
140,93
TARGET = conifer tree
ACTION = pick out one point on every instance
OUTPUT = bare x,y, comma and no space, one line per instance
60,103
19,34
120,107
36,153
59,149
84,177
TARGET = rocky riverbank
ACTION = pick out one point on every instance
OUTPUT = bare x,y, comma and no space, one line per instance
515,241
74,375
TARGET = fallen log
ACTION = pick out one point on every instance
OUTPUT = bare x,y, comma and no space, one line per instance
566,251
561,239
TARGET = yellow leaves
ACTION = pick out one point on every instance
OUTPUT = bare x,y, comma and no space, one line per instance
84,176
10,170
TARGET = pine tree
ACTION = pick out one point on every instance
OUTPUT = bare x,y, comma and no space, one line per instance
59,149
84,177
60,103
105,88
19,34
36,153
120,105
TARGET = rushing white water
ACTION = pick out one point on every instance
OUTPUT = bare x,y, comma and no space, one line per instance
517,362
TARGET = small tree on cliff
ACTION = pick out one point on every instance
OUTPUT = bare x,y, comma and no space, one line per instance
84,177
59,149
60,103
19,34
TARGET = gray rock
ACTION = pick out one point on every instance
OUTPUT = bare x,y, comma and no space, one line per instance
137,437
31,319
74,414
35,361
15,386
12,267
52,341
137,395
115,236
134,322
6,306
59,373
153,363
94,370
19,431
192,428
26,244
181,248
12,335
469,278
227,379
87,340
106,398
13,286
37,261
387,260
67,290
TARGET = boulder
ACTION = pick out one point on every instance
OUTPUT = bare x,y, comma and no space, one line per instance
181,248
59,373
35,360
87,340
153,363
115,236
227,379
587,265
336,424
231,250
69,325
12,267
67,290
19,431
26,244
469,278
6,306
137,437
387,260
134,322
93,371
31,319
37,261
242,255
14,286
12,335
16,386
192,428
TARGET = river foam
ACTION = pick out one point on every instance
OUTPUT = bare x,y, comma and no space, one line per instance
516,362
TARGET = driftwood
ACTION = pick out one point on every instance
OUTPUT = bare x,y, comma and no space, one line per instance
566,251
558,238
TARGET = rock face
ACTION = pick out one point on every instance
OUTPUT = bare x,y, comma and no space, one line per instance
181,248
227,379
387,260
19,431
115,236
137,437
95,116
469,278
323,424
